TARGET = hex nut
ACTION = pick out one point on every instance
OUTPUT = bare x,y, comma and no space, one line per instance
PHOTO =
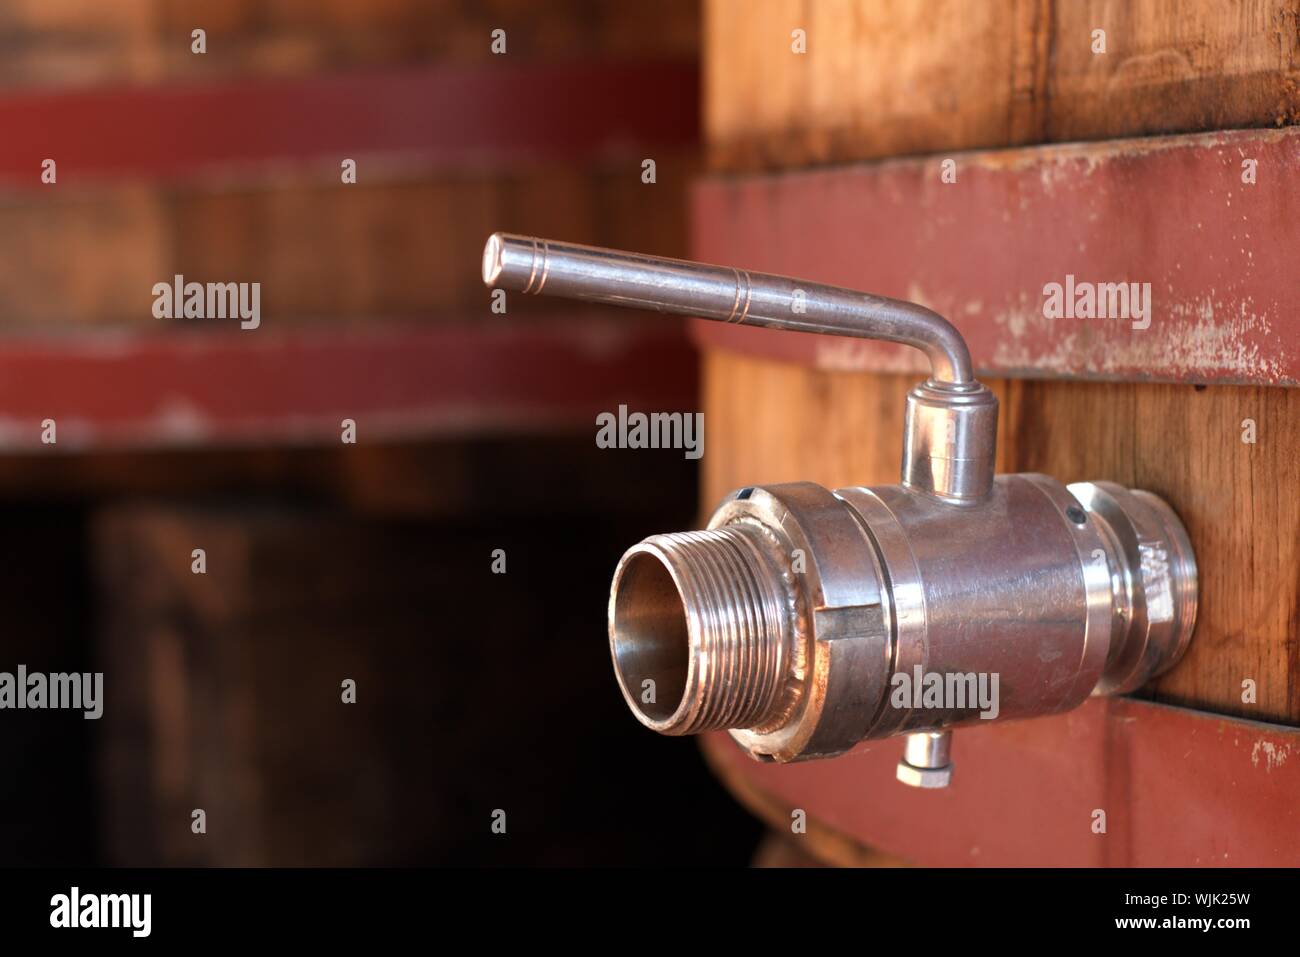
924,777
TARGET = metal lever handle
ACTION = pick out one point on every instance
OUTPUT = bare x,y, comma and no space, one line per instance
545,267
950,420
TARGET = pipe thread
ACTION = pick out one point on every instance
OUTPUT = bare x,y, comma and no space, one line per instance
736,624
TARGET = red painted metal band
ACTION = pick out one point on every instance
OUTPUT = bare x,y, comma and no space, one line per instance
183,389
449,115
1177,788
1222,256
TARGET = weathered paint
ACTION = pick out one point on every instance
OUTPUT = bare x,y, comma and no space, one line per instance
113,391
1178,788
1222,256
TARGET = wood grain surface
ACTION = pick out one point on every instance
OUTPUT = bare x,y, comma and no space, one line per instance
893,77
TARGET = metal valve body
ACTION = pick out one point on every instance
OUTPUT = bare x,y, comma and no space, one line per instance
802,619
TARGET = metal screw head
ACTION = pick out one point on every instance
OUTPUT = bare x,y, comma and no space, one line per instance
924,777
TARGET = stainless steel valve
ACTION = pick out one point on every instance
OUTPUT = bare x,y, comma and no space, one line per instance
805,620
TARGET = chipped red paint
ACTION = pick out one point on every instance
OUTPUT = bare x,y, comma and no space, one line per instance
197,388
1178,787
445,115
1222,257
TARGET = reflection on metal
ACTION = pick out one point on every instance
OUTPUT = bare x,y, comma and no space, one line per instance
927,760
804,620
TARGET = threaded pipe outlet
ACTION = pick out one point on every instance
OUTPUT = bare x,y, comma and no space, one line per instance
699,630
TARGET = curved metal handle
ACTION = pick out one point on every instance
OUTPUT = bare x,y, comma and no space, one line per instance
950,420
545,267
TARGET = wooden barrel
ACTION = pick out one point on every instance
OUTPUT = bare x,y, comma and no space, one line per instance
923,151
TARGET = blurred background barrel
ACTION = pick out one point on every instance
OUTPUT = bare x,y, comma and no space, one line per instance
329,560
